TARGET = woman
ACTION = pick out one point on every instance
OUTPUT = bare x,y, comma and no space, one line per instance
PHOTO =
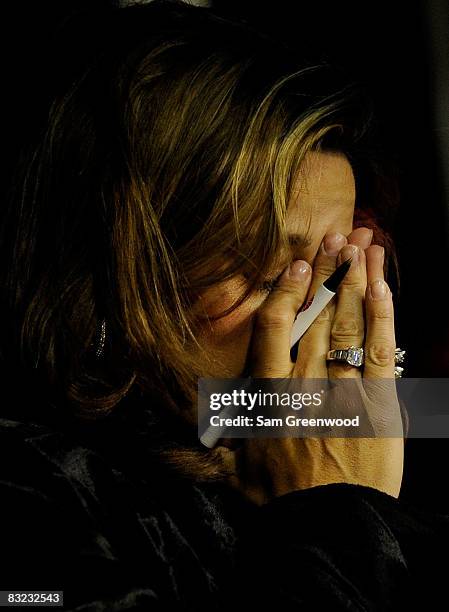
186,163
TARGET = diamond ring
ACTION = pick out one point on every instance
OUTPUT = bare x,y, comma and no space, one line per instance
399,357
352,355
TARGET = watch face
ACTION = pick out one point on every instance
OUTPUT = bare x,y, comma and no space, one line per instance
355,356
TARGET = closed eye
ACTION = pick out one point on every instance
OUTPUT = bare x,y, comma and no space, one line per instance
268,284
296,241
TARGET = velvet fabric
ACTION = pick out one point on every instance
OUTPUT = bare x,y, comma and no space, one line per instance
90,509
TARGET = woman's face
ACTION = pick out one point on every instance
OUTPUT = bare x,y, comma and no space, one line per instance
323,202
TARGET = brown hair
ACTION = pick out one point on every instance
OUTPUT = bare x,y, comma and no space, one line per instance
164,167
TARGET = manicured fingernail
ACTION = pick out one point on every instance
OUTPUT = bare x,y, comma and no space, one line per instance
350,250
333,243
378,289
366,238
299,270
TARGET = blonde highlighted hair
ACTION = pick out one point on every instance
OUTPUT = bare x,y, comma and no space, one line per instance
165,166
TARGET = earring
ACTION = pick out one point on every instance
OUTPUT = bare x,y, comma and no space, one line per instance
100,347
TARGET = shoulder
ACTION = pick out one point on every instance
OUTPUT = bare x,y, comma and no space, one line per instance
76,513
52,488
67,514
90,475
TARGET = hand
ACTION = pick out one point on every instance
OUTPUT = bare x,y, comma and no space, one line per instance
266,468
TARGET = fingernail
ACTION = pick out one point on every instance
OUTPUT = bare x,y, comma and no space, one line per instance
332,243
299,270
378,289
350,250
367,239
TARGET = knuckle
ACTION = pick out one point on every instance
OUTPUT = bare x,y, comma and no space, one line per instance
349,284
324,316
272,319
380,354
323,270
345,329
287,293
267,371
383,313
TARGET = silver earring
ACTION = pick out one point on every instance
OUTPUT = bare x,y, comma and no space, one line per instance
100,347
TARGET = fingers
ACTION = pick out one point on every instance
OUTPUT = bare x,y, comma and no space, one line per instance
380,337
325,260
315,344
362,237
270,344
324,263
348,326
311,360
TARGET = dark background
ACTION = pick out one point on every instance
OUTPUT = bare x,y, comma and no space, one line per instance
400,51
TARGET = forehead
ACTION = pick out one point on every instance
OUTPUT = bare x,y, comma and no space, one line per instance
325,185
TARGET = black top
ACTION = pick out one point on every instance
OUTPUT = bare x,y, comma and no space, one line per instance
90,510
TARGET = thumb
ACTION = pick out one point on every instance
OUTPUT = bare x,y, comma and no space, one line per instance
270,344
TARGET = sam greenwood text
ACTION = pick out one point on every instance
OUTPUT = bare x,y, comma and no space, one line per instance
289,421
